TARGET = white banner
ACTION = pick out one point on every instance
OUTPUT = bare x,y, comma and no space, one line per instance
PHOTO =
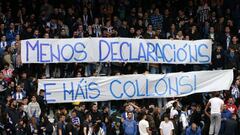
116,50
134,86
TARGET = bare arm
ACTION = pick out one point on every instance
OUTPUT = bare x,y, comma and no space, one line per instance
149,132
161,131
207,106
60,132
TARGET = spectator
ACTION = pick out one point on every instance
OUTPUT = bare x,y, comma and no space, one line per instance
143,125
226,114
46,127
42,102
87,124
33,127
96,130
166,126
19,95
231,126
216,105
193,130
75,122
61,126
34,109
130,125
3,87
231,106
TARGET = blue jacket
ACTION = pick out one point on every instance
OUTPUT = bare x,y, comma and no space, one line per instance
226,114
130,127
189,131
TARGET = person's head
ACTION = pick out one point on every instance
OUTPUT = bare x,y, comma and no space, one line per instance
82,106
194,106
13,103
88,117
234,39
74,114
94,107
132,30
227,29
230,101
219,49
166,118
25,101
24,75
129,115
3,38
34,99
211,29
42,92
11,26
175,104
62,118
126,107
46,35
1,76
105,109
216,94
143,115
194,126
36,32
224,107
18,88
149,28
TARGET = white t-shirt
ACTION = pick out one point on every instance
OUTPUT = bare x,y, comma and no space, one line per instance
216,104
142,126
166,127
173,112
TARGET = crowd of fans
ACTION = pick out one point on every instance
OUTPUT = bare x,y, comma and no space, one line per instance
23,110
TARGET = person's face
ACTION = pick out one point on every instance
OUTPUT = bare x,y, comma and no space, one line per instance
211,30
12,84
234,39
227,30
106,109
74,114
3,38
18,88
230,101
129,115
89,117
34,99
166,119
138,32
25,101
42,93
166,12
24,75
94,108
224,107
194,127
46,35
62,118
2,26
11,25
237,82
132,30
1,76
36,32
150,27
